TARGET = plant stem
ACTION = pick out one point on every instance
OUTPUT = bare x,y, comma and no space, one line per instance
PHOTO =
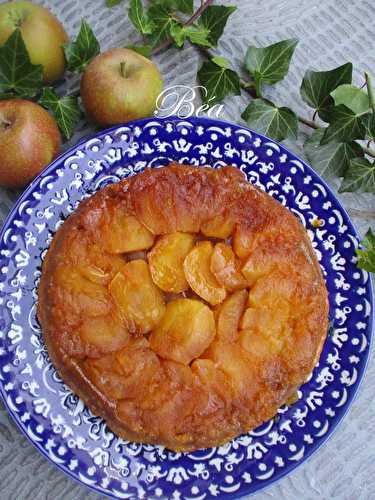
249,87
169,41
370,91
123,69
309,123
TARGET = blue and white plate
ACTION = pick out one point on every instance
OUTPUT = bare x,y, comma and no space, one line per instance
60,425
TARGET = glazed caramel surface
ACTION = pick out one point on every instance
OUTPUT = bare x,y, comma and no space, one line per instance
183,305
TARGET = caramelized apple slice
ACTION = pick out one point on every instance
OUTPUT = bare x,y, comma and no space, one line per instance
236,363
270,289
260,345
95,274
229,316
125,233
243,239
263,328
264,319
218,227
106,374
140,302
185,331
105,332
199,275
166,261
85,296
141,368
212,378
226,268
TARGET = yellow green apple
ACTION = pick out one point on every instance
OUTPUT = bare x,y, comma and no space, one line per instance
42,33
29,140
120,85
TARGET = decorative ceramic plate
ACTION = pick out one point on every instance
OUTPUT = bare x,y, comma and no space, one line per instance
59,424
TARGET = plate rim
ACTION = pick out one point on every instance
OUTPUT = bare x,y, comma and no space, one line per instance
245,490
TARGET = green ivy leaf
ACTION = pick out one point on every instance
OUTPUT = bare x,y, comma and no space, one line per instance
332,159
344,125
79,53
317,86
264,117
185,6
144,50
352,97
196,34
64,109
369,122
162,23
221,61
218,82
366,254
270,64
178,33
17,74
138,17
112,3
214,19
360,177
6,95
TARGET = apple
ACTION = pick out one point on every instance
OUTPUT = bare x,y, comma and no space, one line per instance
29,140
120,85
42,33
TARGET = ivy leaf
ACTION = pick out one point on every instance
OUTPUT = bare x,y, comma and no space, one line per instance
264,117
218,82
270,64
366,254
214,19
17,74
112,3
332,159
144,50
196,34
360,177
221,61
344,125
162,23
64,109
138,17
369,122
352,97
79,53
6,95
317,86
185,6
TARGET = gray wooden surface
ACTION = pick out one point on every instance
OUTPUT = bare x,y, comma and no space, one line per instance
331,32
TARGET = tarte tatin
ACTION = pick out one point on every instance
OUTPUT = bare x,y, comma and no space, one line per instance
183,305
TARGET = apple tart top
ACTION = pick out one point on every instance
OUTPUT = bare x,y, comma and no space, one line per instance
183,304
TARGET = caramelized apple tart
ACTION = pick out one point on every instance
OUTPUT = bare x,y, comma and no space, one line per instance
183,305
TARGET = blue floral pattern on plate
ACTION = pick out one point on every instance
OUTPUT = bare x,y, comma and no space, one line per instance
58,423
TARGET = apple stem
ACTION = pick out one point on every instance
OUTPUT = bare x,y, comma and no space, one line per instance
123,69
4,123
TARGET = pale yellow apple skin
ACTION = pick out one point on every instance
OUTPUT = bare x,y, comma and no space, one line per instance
111,98
29,141
42,33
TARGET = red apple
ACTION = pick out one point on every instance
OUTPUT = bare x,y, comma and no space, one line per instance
29,140
42,33
120,85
